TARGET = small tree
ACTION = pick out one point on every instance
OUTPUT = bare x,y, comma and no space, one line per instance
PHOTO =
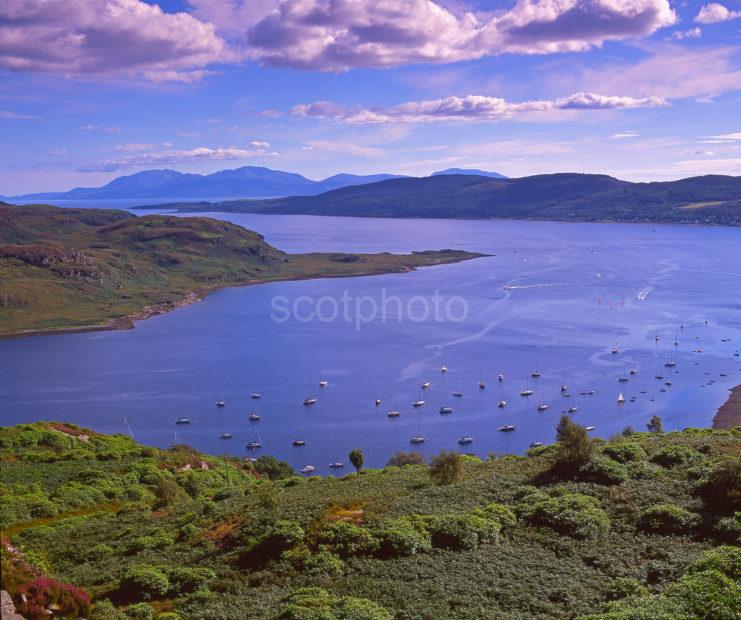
655,425
628,431
575,448
357,459
446,467
401,458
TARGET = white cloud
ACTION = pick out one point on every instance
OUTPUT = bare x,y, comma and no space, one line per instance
469,108
625,134
14,116
173,157
692,33
335,35
92,127
85,38
714,12
728,137
345,148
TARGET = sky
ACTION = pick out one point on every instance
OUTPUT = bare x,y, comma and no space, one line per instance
95,89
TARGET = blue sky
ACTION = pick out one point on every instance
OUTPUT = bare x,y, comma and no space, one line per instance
94,89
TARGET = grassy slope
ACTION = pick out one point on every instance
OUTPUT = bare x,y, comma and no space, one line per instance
69,268
219,513
565,197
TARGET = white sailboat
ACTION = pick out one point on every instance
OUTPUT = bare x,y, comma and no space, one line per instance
620,399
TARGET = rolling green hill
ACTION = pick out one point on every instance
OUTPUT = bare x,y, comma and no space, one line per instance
638,527
87,268
709,199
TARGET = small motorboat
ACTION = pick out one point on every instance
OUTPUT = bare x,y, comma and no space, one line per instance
482,385
443,368
256,396
323,383
500,378
506,428
309,469
566,394
417,403
225,436
590,428
526,393
425,385
446,409
564,388
502,404
458,394
298,442
535,374
254,417
393,414
623,379
535,444
465,440
336,465
633,371
591,393
309,401
572,409
182,421
542,407
220,403
378,401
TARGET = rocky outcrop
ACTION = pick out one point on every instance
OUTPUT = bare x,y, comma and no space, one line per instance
7,609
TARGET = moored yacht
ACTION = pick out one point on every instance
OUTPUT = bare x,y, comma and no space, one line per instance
446,409
298,442
254,417
323,383
542,407
502,404
182,421
256,396
506,428
310,401
336,464
393,414
465,440
225,436
620,399
308,469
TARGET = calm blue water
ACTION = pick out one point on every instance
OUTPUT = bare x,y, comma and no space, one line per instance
555,297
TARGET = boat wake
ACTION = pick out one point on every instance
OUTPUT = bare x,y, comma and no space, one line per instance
643,293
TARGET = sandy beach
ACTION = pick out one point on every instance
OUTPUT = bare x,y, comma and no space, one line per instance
729,415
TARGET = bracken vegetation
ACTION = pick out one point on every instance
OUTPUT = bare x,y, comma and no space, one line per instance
643,526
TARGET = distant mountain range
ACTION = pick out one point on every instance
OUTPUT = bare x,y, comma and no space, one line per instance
469,171
711,199
245,182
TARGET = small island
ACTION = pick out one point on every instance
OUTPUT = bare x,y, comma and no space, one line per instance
95,269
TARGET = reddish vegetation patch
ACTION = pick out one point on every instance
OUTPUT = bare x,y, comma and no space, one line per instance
221,533
69,430
349,514
41,595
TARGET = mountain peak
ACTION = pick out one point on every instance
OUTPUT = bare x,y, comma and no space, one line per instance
469,171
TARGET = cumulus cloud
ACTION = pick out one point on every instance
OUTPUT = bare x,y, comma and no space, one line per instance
106,37
470,108
334,35
173,157
714,12
692,33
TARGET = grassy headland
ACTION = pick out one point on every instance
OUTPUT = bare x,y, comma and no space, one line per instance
79,269
711,199
645,525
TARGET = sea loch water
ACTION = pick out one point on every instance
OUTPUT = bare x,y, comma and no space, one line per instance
552,297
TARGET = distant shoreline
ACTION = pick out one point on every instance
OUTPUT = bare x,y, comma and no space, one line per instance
729,414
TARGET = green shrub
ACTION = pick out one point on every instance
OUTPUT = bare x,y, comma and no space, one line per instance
707,594
462,531
347,539
401,459
623,587
189,579
105,610
726,560
574,446
623,451
642,470
318,604
671,456
573,514
283,534
168,615
603,470
403,536
668,519
270,467
320,563
446,467
728,529
146,581
156,539
500,513
99,551
721,493
141,611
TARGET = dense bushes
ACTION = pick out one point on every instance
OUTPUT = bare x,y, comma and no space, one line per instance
721,492
318,604
404,536
604,470
670,456
347,539
401,458
573,514
623,451
270,467
144,581
37,595
446,467
668,519
462,531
